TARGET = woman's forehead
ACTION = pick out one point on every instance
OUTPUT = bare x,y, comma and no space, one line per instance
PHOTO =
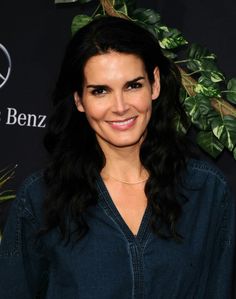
114,65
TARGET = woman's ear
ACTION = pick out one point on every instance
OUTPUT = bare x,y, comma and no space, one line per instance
156,84
78,102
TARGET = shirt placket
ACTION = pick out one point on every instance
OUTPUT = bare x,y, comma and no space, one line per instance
136,243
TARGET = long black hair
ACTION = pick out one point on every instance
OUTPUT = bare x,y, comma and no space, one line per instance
75,155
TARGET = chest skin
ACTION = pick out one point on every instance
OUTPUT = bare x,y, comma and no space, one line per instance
130,201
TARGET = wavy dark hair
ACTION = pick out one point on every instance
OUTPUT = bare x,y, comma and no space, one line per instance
75,155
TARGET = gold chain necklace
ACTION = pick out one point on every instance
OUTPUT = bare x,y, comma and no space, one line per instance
129,183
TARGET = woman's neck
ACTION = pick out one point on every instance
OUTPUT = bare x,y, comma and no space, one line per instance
124,164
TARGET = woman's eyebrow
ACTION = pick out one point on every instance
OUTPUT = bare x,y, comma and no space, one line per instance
97,86
135,80
106,86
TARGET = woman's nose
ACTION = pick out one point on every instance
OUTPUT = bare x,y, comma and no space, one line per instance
120,105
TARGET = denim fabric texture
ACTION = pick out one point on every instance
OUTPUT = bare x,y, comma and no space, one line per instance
110,262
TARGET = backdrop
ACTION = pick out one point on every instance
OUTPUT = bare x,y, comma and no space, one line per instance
33,35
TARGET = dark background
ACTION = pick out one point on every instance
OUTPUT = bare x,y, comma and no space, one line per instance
35,34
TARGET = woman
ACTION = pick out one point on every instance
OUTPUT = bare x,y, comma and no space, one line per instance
121,211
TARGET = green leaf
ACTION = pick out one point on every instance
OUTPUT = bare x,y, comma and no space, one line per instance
6,174
170,38
192,108
210,70
204,105
211,75
224,128
209,143
207,91
201,60
151,28
79,21
120,6
179,125
148,19
169,54
217,77
207,67
131,5
183,95
211,115
198,52
206,87
147,16
6,198
231,91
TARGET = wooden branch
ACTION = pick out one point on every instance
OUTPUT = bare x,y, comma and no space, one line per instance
223,107
188,82
219,104
109,9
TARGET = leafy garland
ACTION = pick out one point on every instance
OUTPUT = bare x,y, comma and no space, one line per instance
204,84
6,174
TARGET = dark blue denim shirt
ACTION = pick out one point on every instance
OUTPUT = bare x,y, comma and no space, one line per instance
110,262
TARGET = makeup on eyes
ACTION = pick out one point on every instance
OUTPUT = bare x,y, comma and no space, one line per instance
97,89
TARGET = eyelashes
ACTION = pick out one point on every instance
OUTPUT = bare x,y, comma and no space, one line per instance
101,90
134,85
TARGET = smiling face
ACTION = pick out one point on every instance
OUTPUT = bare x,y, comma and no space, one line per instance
117,98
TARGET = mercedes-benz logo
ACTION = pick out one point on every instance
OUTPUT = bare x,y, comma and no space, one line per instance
5,65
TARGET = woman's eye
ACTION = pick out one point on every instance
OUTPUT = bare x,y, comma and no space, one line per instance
98,91
134,85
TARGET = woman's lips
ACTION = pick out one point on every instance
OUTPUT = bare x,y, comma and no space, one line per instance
123,124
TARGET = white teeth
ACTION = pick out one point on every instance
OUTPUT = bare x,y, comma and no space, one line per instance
123,122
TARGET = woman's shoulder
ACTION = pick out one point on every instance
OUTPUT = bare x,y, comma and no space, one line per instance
31,194
206,188
33,183
201,174
200,170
